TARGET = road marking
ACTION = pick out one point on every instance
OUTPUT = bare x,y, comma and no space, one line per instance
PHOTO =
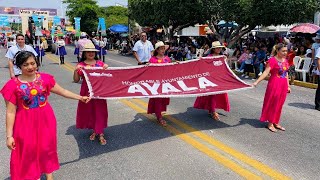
55,59
240,156
186,138
211,153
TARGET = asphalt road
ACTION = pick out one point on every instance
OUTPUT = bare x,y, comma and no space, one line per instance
192,146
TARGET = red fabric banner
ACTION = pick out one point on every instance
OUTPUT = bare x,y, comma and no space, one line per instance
206,76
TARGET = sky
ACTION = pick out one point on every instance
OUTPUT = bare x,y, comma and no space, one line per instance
55,4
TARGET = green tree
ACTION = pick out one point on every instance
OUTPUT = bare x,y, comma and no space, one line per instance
88,10
115,15
251,13
246,13
176,14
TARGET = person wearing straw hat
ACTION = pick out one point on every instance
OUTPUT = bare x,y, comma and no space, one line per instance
213,102
158,105
93,115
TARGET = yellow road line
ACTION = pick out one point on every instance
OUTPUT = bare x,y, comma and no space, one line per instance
242,157
55,59
210,152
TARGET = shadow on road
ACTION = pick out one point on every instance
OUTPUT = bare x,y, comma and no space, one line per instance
138,131
302,105
252,122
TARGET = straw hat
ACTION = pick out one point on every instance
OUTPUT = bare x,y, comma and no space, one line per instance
217,44
89,47
160,44
83,34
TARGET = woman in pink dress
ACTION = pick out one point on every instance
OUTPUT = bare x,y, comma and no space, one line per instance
277,89
31,126
158,105
213,102
93,115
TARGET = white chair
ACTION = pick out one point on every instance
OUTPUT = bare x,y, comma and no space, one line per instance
305,69
296,61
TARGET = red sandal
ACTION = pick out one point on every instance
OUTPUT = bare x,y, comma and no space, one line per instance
102,140
92,137
215,116
162,122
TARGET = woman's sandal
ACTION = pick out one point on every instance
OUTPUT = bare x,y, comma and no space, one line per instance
162,122
277,126
92,137
102,140
215,116
272,129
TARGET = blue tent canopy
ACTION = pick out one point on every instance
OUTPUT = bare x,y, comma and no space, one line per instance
119,28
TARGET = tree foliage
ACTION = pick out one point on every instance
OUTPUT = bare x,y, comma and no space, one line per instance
175,13
246,13
115,15
89,12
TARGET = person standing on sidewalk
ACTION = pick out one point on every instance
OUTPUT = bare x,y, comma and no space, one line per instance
143,49
317,98
277,89
14,71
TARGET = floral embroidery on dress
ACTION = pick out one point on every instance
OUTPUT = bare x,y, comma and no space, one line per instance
33,94
283,70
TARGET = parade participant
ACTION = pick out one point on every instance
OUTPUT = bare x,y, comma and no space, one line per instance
12,51
31,126
93,115
277,89
11,42
213,102
102,51
142,49
39,50
76,48
61,50
158,105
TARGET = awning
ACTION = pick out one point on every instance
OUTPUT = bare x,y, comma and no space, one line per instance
119,28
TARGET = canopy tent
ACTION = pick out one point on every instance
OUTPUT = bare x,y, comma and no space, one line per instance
119,28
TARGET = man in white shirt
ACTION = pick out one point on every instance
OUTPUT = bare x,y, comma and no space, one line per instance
12,51
142,49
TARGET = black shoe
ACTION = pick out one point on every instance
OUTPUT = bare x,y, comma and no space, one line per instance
317,108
